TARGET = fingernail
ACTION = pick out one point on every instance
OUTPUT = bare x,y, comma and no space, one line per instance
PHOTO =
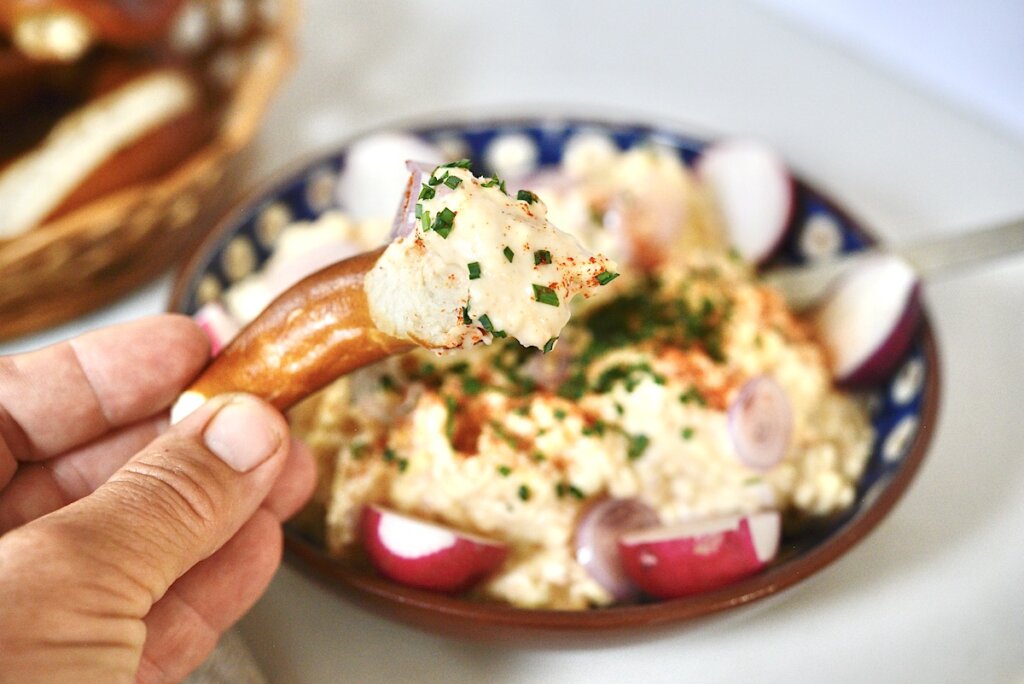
242,434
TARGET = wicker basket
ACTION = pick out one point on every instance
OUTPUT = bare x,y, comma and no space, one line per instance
87,258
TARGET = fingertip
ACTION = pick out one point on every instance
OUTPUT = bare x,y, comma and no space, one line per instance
296,483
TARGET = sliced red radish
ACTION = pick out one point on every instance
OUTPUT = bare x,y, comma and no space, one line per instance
426,555
678,560
218,325
597,536
761,423
375,173
419,174
868,320
754,192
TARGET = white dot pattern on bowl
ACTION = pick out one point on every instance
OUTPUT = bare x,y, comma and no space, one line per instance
821,237
320,189
908,382
271,222
239,258
512,155
899,439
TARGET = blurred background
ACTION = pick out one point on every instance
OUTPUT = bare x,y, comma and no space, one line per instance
911,114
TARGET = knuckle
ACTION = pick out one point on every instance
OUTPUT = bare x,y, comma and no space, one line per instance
182,495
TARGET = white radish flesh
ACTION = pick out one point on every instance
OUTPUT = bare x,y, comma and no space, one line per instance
375,172
868,320
426,555
754,193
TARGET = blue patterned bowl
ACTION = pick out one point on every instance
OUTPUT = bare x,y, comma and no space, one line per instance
903,409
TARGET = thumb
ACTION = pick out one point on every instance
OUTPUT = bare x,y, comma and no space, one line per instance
179,499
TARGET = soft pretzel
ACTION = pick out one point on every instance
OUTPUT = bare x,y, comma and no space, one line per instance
134,132
62,30
468,265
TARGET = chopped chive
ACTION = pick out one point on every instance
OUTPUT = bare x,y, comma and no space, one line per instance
474,270
577,492
549,346
427,193
692,395
389,455
403,463
387,383
452,181
541,257
419,210
524,492
472,386
504,471
490,182
425,221
359,450
545,295
538,457
466,320
688,432
596,429
605,277
443,223
459,164
560,414
561,489
637,446
509,254
450,404
485,323
526,196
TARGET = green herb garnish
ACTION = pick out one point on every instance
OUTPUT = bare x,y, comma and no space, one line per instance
509,254
485,323
443,223
466,320
524,492
541,257
688,432
637,446
693,395
526,196
504,471
472,386
549,346
560,414
605,277
452,181
474,270
426,193
459,164
545,295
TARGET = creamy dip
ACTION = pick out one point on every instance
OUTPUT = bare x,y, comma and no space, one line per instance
479,264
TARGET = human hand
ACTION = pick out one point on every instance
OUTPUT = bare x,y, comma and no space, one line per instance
125,553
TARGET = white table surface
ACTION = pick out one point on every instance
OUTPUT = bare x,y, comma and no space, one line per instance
936,594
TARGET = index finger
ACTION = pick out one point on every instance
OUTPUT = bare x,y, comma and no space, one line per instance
68,394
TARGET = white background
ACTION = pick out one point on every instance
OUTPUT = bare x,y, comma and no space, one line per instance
936,594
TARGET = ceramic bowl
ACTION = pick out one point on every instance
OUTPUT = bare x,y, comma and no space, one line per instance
903,409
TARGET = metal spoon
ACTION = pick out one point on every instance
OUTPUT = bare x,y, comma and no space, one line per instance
803,286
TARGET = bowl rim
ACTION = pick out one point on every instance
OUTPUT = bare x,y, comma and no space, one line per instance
460,617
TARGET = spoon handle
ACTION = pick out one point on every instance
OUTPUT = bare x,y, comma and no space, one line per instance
802,286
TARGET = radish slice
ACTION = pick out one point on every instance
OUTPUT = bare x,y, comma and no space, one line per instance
405,217
868,320
427,555
761,423
679,560
218,325
597,537
754,193
375,173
